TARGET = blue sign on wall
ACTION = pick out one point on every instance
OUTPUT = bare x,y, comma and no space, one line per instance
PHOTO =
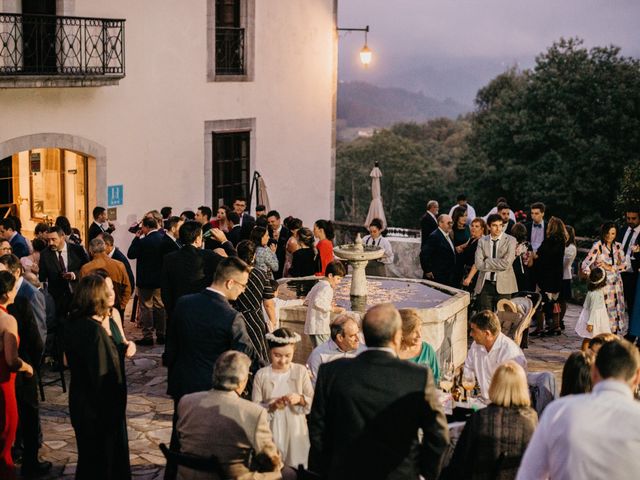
114,195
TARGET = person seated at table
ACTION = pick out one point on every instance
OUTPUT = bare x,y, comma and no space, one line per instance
495,438
220,422
413,348
344,343
489,349
576,373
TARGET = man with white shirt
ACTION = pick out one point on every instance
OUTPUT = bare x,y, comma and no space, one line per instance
490,348
280,235
630,239
438,256
344,343
536,228
494,260
500,200
100,224
594,435
462,202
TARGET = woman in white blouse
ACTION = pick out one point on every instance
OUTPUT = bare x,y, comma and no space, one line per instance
378,267
570,252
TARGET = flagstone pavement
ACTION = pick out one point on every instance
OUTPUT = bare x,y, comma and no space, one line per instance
149,409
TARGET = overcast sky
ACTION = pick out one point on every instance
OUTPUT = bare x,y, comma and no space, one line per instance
419,31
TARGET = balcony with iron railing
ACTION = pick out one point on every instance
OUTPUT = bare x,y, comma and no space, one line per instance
60,51
230,51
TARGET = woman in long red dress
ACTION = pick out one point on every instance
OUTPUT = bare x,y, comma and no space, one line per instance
10,363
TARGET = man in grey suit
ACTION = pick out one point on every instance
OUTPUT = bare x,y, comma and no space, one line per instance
219,422
494,260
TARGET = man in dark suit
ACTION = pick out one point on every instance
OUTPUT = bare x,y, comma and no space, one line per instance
60,266
171,242
100,224
536,228
629,237
505,213
279,234
146,248
367,411
235,232
239,206
186,271
8,231
429,221
438,256
204,326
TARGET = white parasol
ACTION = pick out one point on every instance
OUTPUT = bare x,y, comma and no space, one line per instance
376,210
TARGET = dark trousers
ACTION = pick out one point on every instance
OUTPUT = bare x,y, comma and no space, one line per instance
489,296
629,283
29,414
171,470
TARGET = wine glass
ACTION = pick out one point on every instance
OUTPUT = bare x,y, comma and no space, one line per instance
468,383
446,378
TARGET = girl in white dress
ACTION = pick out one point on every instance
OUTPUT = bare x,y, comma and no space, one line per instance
594,318
284,389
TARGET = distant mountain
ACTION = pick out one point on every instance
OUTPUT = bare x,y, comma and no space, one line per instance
361,104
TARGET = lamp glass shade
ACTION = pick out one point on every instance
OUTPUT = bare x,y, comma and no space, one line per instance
366,55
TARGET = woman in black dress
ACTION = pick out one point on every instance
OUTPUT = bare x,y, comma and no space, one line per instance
258,293
548,269
303,263
97,391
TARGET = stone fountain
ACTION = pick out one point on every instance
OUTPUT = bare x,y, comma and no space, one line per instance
358,255
442,309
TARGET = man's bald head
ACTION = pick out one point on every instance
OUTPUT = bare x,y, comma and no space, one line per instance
445,222
382,326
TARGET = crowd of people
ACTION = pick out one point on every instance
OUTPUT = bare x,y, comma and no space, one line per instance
368,400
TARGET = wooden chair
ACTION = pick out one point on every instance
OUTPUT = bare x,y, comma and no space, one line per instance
194,462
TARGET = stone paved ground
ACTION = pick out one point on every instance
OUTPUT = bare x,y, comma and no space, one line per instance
149,410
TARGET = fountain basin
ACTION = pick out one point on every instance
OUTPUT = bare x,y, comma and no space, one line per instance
351,252
442,309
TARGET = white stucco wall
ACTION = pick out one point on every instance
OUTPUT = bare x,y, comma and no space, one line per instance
152,123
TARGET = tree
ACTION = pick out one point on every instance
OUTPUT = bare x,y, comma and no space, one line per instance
629,195
409,179
561,133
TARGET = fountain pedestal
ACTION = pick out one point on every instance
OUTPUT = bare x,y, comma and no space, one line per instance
358,255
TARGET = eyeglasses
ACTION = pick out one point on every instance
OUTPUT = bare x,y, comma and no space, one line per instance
6,249
243,286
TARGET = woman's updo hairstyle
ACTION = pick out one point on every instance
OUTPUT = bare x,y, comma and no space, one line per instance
7,282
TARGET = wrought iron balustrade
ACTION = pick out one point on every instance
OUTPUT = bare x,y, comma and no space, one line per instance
230,51
49,45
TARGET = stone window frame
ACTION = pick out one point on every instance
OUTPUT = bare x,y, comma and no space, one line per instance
226,126
248,22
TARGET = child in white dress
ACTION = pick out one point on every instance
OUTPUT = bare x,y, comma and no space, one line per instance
284,389
594,318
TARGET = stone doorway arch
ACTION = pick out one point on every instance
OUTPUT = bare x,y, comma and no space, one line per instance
93,186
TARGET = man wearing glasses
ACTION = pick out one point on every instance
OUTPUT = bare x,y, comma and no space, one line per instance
5,248
203,327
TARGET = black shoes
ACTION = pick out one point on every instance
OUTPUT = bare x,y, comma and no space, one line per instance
35,469
145,342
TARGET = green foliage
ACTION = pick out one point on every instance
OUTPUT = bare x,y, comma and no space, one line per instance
629,195
561,133
410,164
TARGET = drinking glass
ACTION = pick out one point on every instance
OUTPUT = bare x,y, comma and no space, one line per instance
446,377
468,383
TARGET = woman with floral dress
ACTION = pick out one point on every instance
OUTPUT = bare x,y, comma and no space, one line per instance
607,254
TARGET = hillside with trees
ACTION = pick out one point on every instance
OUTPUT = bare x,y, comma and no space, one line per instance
562,132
